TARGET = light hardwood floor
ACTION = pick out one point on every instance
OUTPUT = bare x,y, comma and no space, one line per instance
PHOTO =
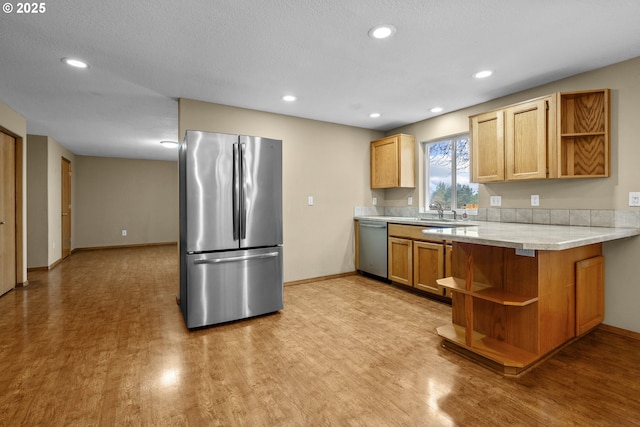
99,340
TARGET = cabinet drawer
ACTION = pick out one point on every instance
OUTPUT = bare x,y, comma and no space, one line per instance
413,232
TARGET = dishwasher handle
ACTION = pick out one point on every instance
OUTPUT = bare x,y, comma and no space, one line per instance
372,225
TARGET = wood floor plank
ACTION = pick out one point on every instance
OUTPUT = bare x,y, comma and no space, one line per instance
99,340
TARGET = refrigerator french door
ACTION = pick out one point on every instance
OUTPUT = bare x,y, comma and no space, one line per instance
230,227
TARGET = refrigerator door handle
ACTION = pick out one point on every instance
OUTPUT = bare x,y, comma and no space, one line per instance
243,191
235,258
236,191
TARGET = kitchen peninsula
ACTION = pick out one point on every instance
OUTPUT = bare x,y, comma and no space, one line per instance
519,292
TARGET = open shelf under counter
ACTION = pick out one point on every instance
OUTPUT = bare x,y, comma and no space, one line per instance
504,354
487,292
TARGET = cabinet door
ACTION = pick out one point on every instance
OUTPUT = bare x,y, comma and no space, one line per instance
401,261
384,163
589,294
428,266
526,140
487,147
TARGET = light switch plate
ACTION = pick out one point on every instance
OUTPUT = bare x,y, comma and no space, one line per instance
310,200
634,198
535,200
496,200
375,201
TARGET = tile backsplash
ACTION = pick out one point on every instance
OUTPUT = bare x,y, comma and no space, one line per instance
577,217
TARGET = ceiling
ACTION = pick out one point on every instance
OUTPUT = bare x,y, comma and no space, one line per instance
145,54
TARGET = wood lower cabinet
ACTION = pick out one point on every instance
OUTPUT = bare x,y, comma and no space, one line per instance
589,294
428,266
400,261
415,261
511,310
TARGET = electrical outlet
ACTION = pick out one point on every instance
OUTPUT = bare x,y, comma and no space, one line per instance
634,198
535,200
310,201
375,201
124,232
496,201
410,200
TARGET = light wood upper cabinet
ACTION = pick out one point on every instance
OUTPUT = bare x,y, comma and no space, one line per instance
527,136
487,146
562,135
583,134
393,162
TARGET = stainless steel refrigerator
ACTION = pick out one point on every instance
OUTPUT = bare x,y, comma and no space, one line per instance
230,227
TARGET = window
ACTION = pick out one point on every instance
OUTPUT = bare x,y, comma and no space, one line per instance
447,173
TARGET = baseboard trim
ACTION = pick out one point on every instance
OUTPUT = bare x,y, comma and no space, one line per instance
135,245
45,268
22,284
320,278
619,331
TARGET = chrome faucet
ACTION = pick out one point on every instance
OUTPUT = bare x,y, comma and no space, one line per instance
437,206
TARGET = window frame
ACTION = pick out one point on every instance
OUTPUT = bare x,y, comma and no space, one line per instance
453,139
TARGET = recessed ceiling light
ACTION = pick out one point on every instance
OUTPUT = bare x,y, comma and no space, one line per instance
75,62
436,109
483,74
169,144
374,115
382,31
289,98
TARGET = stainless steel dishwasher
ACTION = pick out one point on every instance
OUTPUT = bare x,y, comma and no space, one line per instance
372,247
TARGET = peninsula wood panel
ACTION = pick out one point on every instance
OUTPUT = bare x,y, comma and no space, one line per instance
539,298
557,291
589,294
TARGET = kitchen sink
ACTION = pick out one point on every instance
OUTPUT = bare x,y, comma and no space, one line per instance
444,222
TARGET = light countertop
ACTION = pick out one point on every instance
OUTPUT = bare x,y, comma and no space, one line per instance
513,235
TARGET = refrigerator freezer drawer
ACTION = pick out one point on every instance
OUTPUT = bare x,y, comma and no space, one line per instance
227,286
